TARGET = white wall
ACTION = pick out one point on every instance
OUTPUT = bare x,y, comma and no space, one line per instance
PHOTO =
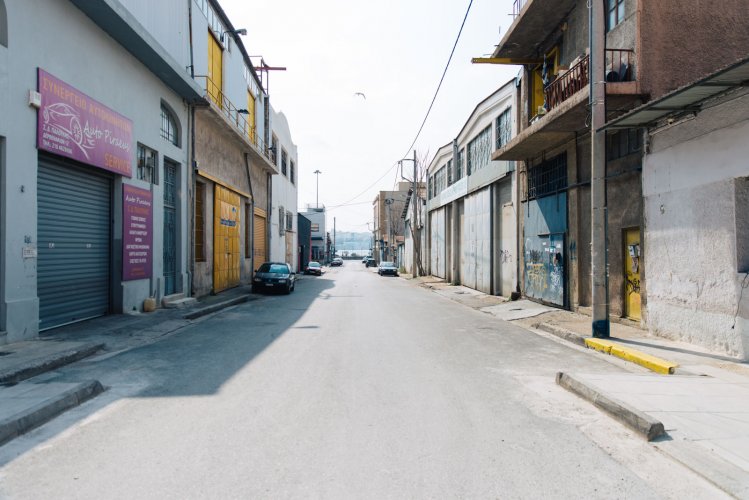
692,202
284,192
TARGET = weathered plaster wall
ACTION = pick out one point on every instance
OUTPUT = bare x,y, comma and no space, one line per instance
695,204
686,40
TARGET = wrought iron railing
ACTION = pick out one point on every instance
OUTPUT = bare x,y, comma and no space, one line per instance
567,84
620,65
517,6
216,96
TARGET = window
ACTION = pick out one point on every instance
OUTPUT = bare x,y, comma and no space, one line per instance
548,177
281,221
622,143
615,13
479,153
449,172
459,166
169,129
214,84
440,180
148,160
274,149
284,160
431,188
291,171
248,231
289,221
250,117
199,222
504,128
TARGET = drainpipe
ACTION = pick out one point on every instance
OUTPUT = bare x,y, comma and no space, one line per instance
251,222
598,216
192,166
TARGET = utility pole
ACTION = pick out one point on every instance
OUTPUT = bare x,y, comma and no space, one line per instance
415,223
334,246
388,202
599,236
317,188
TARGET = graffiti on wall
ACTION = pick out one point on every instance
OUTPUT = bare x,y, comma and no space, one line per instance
505,256
544,268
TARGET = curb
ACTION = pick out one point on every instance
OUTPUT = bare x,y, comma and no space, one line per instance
562,333
49,363
636,420
197,313
648,361
45,411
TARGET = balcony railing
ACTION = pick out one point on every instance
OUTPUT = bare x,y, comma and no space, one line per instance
620,65
567,84
517,6
236,116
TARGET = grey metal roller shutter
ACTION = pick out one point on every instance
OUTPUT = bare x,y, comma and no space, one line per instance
74,243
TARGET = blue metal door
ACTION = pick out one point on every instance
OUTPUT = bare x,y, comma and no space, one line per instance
170,228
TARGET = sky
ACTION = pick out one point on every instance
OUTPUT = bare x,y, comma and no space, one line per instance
392,51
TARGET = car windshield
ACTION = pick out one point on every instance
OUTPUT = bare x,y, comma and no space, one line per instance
387,264
273,268
314,264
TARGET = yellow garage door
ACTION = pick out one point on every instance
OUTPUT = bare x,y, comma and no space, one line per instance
226,256
259,240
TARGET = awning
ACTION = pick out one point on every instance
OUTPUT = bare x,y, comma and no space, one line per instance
689,98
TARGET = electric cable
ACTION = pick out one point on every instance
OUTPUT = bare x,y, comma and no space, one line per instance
429,110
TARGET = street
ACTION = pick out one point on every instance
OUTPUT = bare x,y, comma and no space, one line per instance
353,386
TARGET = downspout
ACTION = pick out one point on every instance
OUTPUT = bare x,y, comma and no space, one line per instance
251,222
193,165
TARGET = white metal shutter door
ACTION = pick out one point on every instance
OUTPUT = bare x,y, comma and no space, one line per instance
437,221
483,241
74,243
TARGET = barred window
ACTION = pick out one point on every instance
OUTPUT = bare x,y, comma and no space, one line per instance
622,143
281,221
431,188
274,149
289,221
548,177
449,172
291,171
169,129
284,161
479,153
440,180
459,173
504,128
148,161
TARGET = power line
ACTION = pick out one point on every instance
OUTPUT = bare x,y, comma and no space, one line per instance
444,72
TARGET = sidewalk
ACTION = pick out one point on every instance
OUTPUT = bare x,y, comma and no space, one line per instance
28,399
699,415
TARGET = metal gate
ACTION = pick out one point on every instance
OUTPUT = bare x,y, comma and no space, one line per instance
259,238
170,228
475,247
74,236
437,257
544,247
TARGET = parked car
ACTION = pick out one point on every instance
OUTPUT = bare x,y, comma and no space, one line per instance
313,268
336,262
387,268
364,260
371,262
274,276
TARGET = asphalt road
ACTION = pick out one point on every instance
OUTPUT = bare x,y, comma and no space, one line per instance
353,386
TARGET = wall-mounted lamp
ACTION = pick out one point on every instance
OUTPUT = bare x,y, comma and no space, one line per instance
242,32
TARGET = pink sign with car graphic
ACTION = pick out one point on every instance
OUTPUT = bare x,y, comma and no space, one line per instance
74,125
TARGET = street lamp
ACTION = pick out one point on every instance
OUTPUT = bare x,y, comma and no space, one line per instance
414,224
317,189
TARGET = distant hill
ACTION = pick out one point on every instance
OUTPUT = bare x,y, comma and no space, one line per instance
353,242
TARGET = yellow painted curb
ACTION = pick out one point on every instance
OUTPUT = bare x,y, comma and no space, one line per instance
652,363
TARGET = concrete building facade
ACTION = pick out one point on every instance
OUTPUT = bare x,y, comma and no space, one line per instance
471,201
95,173
389,225
284,229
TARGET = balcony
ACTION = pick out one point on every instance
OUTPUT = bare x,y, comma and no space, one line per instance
534,21
236,119
567,105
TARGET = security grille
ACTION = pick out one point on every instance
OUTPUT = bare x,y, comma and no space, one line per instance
548,177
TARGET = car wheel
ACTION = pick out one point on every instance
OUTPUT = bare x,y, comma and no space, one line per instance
288,289
293,285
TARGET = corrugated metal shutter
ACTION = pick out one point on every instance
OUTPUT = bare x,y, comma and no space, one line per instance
259,232
437,222
74,243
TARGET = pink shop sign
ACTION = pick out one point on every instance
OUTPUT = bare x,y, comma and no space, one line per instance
137,233
74,125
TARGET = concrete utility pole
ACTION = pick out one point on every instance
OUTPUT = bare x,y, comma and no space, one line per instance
414,223
388,202
598,216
